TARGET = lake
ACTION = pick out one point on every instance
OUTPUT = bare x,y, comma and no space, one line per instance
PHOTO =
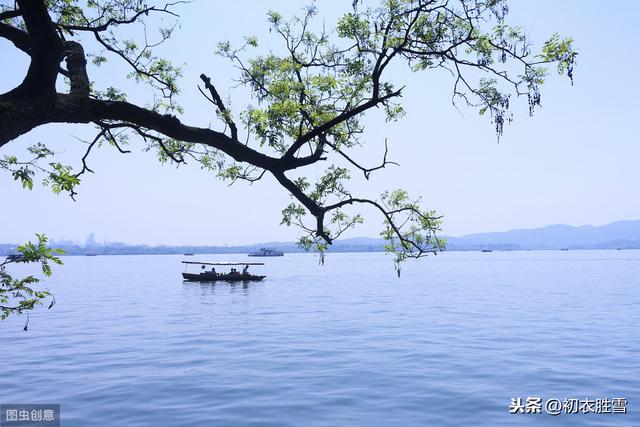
349,343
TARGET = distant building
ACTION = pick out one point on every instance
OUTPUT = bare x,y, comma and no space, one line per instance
91,240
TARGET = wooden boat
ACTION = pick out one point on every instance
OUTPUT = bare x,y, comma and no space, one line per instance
213,276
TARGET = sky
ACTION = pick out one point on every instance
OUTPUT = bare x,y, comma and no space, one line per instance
574,162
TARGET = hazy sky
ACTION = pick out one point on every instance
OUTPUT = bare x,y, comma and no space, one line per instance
574,162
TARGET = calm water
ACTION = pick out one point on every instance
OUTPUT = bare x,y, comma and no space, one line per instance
347,344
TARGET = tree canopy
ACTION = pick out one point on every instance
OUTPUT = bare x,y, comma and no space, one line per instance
308,103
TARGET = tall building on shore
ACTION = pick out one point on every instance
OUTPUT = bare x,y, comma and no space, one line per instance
91,240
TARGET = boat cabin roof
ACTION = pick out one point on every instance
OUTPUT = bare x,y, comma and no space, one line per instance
223,263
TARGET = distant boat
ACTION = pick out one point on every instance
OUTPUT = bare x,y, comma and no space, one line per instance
213,276
90,254
188,254
564,249
487,250
267,252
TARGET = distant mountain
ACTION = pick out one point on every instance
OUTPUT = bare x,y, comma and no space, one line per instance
617,235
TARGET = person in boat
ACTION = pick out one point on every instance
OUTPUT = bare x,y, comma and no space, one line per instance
245,270
213,271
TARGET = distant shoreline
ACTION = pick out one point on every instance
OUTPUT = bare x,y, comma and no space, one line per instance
159,251
613,236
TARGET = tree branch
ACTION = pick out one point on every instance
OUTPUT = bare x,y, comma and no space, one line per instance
365,171
9,14
19,38
45,47
114,21
337,120
217,101
77,67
